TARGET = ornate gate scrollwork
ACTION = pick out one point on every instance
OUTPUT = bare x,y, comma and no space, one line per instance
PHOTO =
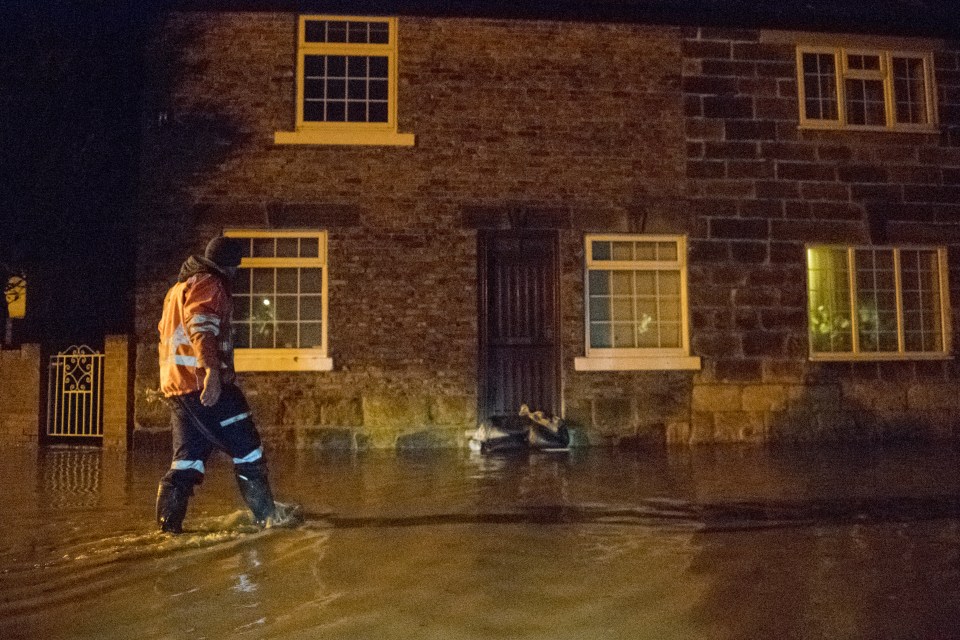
75,393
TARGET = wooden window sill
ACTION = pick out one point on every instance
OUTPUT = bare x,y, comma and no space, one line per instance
369,138
653,363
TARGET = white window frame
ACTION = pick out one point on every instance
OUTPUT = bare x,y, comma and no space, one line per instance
346,133
313,359
884,74
652,359
855,354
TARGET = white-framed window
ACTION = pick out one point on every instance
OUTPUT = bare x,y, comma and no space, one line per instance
280,301
853,88
346,82
635,295
878,303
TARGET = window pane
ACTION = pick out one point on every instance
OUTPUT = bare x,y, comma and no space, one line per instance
909,89
601,335
377,112
309,247
670,309
864,62
315,31
356,112
646,283
311,308
669,283
310,335
828,293
379,68
876,300
379,33
286,308
377,90
311,281
622,251
600,250
263,280
336,66
336,31
599,309
820,86
263,248
667,251
313,112
865,103
646,250
670,335
358,32
623,336
621,282
286,335
922,320
622,308
287,247
336,112
262,336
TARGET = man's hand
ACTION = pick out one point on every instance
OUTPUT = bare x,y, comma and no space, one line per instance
211,388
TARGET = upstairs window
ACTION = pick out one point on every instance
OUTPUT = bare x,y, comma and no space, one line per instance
861,89
878,303
280,301
636,303
346,82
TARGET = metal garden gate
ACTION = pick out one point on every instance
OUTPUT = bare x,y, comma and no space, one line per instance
75,393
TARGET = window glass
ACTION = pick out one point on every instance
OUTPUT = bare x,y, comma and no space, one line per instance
889,298
909,90
635,299
820,85
278,294
346,71
878,89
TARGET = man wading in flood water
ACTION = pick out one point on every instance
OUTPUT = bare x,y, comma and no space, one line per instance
197,377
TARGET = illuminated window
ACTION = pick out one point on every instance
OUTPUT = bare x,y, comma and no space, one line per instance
15,291
280,301
865,89
346,82
877,303
636,307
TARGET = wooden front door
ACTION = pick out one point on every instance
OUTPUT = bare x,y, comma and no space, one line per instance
519,341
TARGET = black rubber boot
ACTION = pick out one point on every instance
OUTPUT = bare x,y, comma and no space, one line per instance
172,507
172,497
255,489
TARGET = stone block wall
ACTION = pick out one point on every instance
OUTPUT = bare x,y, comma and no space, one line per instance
574,127
555,120
761,188
20,394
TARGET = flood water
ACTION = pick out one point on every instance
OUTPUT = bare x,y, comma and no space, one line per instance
706,543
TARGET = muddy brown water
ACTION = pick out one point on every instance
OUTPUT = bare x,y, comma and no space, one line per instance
721,543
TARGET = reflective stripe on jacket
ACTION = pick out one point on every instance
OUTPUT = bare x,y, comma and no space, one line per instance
195,334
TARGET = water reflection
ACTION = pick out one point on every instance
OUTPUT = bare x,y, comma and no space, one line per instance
707,543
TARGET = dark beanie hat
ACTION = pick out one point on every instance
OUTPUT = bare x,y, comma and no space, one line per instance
224,252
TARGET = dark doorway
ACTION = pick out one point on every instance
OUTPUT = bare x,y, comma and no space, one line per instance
519,350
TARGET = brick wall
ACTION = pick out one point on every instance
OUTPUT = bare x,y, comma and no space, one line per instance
760,189
585,128
20,394
578,125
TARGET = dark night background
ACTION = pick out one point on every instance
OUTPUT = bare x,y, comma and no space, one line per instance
70,92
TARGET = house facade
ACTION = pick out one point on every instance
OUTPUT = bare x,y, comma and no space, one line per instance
663,234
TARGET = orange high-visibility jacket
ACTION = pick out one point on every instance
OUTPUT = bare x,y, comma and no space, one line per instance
195,334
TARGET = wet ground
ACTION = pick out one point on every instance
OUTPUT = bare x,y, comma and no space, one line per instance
710,543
